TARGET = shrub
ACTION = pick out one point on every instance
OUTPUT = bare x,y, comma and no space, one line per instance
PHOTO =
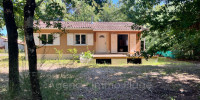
74,53
87,54
60,53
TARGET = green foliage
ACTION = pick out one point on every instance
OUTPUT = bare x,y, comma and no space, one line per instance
97,4
164,61
83,12
88,54
173,24
74,52
18,7
111,13
60,53
2,23
145,55
55,10
67,10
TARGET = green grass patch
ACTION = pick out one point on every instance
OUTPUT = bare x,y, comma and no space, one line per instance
164,61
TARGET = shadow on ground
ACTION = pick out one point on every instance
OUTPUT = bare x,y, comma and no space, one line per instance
116,83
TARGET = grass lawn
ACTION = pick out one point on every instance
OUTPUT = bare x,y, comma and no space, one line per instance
166,61
165,79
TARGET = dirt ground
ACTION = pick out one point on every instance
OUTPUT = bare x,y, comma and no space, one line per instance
141,83
136,82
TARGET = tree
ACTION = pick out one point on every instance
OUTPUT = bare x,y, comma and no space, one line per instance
29,10
28,15
98,4
19,16
55,10
12,46
174,24
1,16
83,12
112,13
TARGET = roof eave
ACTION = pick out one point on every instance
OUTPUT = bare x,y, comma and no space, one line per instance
92,30
67,28
118,30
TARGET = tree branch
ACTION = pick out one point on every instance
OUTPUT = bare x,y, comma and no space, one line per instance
39,3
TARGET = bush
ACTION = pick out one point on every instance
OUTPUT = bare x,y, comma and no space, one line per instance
87,54
60,53
185,55
74,52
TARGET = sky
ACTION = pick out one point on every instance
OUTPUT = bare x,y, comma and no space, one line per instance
115,1
3,31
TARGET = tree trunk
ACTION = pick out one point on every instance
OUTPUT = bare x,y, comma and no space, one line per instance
12,46
32,57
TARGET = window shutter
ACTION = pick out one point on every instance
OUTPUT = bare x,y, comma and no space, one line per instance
70,39
90,39
56,40
113,43
132,43
36,38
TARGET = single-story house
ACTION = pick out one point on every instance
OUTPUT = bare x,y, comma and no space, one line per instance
107,40
4,44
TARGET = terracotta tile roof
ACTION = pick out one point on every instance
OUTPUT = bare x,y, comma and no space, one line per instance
96,26
113,26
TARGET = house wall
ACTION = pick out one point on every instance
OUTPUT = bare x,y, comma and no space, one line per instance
63,43
20,46
2,44
50,52
138,41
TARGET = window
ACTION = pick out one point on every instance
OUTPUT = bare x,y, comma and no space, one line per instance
80,39
142,45
43,39
50,39
47,39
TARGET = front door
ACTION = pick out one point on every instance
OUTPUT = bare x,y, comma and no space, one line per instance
101,46
123,43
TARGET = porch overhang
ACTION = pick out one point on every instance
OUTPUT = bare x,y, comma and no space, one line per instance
113,56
